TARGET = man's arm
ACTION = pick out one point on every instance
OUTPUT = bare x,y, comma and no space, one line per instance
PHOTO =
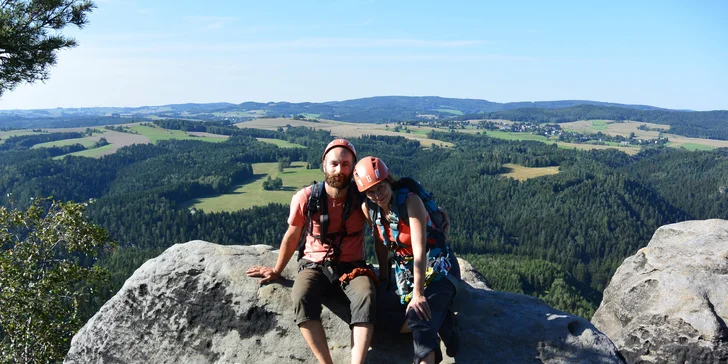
289,243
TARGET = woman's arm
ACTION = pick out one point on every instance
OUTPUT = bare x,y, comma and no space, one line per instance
381,251
418,230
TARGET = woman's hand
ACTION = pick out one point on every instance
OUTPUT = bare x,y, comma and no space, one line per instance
421,307
445,220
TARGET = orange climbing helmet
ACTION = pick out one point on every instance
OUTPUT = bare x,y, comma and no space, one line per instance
369,171
339,143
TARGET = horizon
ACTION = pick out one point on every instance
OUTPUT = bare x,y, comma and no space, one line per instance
327,101
133,53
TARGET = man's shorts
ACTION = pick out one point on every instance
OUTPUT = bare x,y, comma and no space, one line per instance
311,289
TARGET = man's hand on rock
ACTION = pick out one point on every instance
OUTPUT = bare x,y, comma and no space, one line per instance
268,274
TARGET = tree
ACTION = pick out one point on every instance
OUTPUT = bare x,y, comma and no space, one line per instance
46,291
30,37
273,184
284,162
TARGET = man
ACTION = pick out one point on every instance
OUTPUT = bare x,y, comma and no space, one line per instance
341,247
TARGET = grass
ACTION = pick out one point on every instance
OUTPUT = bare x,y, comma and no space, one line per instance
310,116
515,136
342,129
239,113
449,111
85,141
587,126
156,134
412,130
252,193
628,150
522,173
90,153
694,146
7,134
599,125
281,143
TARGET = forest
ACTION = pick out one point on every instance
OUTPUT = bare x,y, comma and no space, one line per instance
558,237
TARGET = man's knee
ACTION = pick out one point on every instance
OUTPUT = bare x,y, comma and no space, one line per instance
362,296
306,297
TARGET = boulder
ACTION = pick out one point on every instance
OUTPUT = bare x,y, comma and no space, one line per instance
195,304
668,303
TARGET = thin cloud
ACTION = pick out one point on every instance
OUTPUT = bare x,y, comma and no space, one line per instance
299,44
146,11
210,22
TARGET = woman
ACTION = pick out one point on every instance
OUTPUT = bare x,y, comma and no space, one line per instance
426,269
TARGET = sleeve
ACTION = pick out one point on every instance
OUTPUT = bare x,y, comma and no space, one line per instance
297,215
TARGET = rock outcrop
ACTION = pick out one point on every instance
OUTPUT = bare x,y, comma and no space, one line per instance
669,302
194,304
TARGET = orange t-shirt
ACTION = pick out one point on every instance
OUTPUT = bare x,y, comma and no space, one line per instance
404,237
352,247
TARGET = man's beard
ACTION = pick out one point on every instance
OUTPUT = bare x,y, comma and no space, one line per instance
337,180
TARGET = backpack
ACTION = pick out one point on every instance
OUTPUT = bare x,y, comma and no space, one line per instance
318,201
401,191
438,250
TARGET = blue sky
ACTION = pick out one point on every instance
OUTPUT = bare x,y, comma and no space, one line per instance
670,54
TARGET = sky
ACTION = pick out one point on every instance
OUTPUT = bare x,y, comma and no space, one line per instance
671,54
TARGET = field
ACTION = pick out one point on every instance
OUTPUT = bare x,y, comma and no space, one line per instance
515,136
412,130
147,134
156,134
85,141
281,143
341,129
627,127
628,150
449,111
614,128
522,173
693,146
239,113
7,134
252,193
91,153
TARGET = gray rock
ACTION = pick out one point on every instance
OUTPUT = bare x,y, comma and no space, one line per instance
194,304
669,302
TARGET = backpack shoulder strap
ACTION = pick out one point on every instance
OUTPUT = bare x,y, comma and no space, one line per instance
316,202
400,203
373,210
407,185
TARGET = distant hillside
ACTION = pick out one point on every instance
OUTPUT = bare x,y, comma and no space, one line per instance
698,124
384,109
371,109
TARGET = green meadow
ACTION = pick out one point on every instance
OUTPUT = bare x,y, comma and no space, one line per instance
86,142
252,193
412,130
281,143
7,134
156,134
91,153
515,136
693,146
449,111
599,125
